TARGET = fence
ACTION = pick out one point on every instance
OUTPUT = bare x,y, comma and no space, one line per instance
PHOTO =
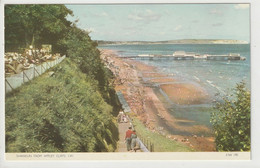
123,102
17,80
147,143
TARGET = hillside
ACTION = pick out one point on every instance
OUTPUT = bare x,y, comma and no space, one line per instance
183,41
61,112
71,109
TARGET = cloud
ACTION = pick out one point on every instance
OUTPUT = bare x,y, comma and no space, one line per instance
178,28
102,14
195,21
162,33
216,12
135,17
167,12
131,32
146,15
91,14
217,24
242,6
91,30
84,15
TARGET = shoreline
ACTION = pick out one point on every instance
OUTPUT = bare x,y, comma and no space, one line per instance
134,79
177,41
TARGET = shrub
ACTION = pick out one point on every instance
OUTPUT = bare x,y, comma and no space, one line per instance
61,113
231,121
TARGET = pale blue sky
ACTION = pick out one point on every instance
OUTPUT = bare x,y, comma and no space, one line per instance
150,22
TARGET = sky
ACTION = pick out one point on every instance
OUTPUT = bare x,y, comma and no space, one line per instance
159,22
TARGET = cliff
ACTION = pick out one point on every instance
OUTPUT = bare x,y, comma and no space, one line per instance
60,111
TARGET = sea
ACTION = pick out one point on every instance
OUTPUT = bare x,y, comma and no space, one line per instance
217,77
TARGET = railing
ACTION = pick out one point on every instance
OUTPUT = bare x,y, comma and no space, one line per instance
145,144
123,102
17,80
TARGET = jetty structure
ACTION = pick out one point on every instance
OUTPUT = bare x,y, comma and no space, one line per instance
182,55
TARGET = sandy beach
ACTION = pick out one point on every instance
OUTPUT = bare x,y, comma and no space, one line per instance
134,79
185,93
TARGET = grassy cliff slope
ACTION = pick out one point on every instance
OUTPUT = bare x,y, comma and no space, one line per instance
62,112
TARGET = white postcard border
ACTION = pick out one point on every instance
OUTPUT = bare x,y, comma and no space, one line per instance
137,162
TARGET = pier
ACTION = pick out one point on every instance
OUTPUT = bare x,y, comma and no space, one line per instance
181,55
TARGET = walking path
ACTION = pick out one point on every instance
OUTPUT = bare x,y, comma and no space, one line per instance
122,128
121,146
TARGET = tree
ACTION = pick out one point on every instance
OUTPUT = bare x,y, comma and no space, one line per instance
35,25
231,121
82,50
72,111
47,24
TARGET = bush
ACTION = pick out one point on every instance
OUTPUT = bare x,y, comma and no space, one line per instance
61,113
71,111
82,50
231,121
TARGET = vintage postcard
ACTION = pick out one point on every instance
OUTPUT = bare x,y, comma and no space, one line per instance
127,81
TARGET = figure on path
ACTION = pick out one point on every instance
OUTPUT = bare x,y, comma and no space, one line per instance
124,119
120,117
134,141
128,138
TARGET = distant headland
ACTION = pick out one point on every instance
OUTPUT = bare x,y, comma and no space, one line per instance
182,41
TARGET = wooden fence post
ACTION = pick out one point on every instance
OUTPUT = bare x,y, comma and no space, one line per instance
43,67
23,77
26,76
47,64
9,85
36,71
33,72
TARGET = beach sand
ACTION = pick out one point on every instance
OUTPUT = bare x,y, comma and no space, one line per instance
132,77
152,75
162,80
185,93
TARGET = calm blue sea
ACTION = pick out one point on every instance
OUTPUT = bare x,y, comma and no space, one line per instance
214,76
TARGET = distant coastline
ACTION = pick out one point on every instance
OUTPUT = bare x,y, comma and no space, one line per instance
183,41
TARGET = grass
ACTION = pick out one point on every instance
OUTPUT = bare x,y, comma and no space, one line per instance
60,113
161,143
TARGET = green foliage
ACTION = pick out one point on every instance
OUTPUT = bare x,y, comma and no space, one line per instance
62,113
35,25
71,111
47,24
231,121
82,50
161,143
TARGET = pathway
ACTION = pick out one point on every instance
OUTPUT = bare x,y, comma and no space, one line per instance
122,128
121,146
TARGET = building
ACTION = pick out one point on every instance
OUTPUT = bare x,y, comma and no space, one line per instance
179,53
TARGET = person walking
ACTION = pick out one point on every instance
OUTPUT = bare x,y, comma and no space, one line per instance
124,119
133,141
120,117
128,138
